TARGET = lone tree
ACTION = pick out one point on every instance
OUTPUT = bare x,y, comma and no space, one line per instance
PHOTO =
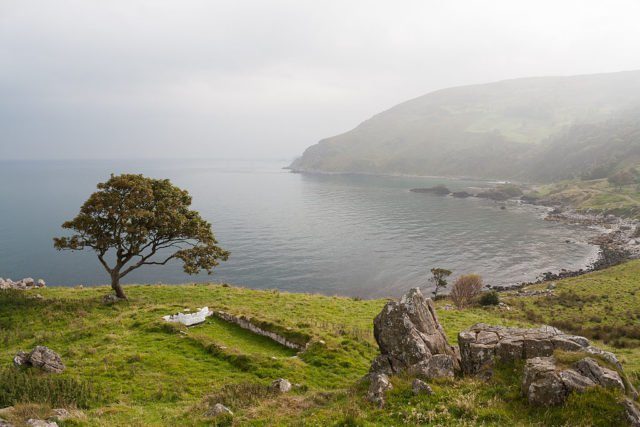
439,279
133,221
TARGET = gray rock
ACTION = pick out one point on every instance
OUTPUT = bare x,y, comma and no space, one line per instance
437,366
541,384
110,299
632,412
281,385
41,423
420,387
41,357
41,283
21,359
575,381
606,377
409,335
481,345
379,386
218,409
544,384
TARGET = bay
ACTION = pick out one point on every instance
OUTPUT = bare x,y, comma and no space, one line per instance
365,236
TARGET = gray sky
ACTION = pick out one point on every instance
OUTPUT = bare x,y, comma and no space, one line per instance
234,79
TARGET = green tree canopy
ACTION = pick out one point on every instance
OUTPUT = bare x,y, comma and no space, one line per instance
132,221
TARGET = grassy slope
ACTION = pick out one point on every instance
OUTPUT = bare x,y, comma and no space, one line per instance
144,372
596,196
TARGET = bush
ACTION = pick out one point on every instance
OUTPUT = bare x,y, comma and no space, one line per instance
489,298
466,289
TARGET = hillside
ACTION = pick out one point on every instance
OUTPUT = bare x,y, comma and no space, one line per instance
125,366
503,130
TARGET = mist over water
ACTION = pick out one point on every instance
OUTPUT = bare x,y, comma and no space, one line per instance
365,236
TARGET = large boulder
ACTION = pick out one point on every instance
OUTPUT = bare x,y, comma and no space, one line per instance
412,340
40,357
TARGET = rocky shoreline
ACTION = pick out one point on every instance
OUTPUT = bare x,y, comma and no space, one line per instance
618,239
22,285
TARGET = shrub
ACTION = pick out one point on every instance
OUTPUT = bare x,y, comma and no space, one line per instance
466,289
489,298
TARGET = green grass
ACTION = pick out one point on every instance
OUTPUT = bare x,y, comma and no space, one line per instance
125,366
594,196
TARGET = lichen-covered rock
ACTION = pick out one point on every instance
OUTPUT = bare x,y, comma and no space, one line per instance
544,384
606,377
41,357
575,381
41,423
632,412
379,385
281,385
218,409
481,345
420,387
409,336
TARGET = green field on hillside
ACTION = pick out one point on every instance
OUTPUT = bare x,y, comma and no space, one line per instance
126,366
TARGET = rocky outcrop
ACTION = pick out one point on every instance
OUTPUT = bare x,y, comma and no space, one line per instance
412,340
41,357
22,285
544,382
440,190
481,345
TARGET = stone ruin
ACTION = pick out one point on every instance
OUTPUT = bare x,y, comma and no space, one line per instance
413,342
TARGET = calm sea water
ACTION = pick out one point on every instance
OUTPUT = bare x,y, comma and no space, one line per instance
350,235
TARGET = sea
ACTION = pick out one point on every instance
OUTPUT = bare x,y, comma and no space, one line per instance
354,235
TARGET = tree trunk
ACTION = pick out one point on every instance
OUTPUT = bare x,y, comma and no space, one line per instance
115,285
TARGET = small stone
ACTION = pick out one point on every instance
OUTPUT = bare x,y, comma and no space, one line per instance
21,359
377,389
420,387
110,299
41,283
41,423
218,409
632,412
281,385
